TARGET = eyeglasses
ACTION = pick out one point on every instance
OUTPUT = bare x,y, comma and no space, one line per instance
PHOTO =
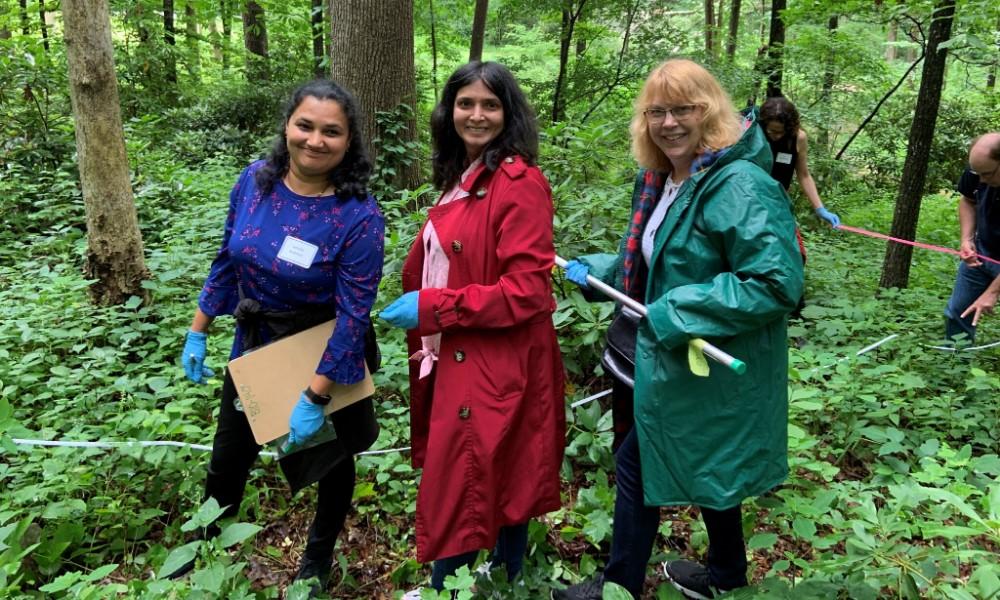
981,175
657,114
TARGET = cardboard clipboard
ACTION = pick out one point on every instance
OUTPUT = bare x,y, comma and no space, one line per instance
269,380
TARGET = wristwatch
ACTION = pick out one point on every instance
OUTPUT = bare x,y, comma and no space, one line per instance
320,399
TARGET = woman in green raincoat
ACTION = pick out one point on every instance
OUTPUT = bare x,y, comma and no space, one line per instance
711,252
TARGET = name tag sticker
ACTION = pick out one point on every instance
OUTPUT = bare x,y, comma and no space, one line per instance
784,158
298,252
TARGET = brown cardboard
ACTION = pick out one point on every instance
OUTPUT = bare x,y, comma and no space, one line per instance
270,379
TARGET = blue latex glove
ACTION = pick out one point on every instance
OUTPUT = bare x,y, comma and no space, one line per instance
305,421
193,357
402,312
577,272
828,216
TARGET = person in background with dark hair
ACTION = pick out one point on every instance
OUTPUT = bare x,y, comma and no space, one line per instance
487,412
303,244
790,149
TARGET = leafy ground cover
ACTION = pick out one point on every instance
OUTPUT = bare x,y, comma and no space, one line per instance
895,484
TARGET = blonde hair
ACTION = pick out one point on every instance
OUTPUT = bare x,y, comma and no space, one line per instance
681,81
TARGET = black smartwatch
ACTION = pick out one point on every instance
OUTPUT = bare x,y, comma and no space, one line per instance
315,398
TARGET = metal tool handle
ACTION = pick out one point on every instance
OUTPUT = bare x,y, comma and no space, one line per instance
713,352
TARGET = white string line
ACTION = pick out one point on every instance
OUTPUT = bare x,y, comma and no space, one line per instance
954,349
867,348
590,398
144,443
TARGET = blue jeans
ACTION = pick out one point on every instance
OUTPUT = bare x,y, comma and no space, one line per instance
635,528
509,551
970,283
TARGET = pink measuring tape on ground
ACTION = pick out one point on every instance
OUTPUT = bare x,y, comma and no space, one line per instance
883,236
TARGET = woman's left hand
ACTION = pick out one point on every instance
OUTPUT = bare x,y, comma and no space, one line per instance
305,421
403,312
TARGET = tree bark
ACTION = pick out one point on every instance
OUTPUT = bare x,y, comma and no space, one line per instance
43,24
896,266
824,97
114,243
25,20
734,26
890,48
434,52
371,52
191,39
316,19
227,32
478,30
170,38
255,41
775,49
709,27
570,13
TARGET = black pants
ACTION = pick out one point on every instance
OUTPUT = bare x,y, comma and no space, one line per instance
233,454
636,524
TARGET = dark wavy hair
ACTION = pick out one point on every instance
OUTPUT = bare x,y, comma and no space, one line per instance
519,134
350,177
782,110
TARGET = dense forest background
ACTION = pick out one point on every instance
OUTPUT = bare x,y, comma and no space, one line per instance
895,485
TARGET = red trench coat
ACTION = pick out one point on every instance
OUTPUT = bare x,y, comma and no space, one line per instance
488,426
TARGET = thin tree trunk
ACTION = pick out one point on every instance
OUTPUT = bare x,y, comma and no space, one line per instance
191,39
828,74
775,49
709,27
570,14
618,79
255,41
720,25
43,24
896,266
890,48
227,32
434,52
478,29
991,77
114,243
169,36
734,26
316,19
25,20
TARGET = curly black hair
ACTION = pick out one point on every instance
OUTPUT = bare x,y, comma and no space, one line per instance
782,110
350,177
519,135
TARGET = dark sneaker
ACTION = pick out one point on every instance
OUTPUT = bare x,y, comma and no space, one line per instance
316,570
588,590
691,579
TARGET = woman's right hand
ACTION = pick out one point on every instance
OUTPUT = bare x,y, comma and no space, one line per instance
577,272
193,357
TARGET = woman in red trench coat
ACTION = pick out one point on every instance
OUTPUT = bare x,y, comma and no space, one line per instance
487,414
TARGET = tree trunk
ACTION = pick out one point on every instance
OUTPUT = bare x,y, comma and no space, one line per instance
191,40
169,36
434,52
775,49
316,19
896,266
824,97
227,32
709,27
25,20
570,14
890,49
720,26
114,243
371,52
43,24
734,26
478,30
991,77
255,41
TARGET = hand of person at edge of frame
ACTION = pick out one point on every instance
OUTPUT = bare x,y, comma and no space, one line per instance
305,421
403,312
828,216
577,272
967,252
193,357
984,304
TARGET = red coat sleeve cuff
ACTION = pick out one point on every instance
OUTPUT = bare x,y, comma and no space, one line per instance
436,310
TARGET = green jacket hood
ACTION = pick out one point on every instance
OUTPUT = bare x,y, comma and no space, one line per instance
752,146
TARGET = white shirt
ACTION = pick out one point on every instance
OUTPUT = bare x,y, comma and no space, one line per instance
659,213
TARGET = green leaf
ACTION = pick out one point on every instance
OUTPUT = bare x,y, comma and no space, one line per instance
178,557
101,572
804,528
133,302
236,533
61,583
210,579
613,591
762,540
207,513
908,587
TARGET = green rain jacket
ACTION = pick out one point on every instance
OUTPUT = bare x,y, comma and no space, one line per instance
725,267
